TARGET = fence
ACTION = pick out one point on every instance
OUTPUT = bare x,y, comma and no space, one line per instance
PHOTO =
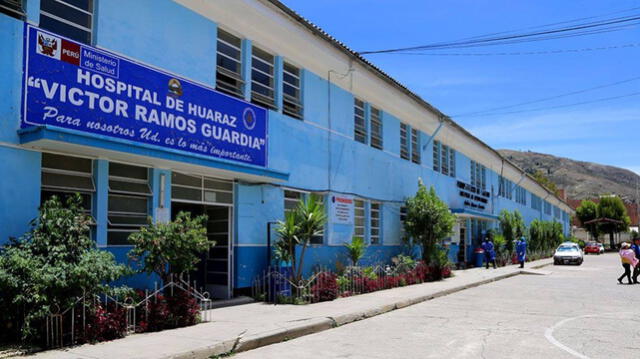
73,325
277,285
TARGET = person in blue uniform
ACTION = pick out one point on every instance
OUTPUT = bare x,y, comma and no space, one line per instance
635,247
521,251
489,252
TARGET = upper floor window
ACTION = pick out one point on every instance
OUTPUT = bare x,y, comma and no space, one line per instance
521,195
436,156
70,18
444,159
556,211
292,95
376,128
415,146
452,162
129,201
359,122
262,78
505,189
536,202
63,176
404,141
229,64
547,207
478,175
13,8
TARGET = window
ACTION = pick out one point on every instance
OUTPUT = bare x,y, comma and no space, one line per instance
478,175
547,207
556,212
415,146
374,223
359,218
291,200
319,238
452,162
444,160
129,195
404,141
536,202
376,128
436,156
360,125
201,189
262,82
506,189
403,218
63,176
521,195
13,8
70,18
229,64
292,95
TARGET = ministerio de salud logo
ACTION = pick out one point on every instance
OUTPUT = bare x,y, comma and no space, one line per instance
249,118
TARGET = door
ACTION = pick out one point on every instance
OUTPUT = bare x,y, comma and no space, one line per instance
213,271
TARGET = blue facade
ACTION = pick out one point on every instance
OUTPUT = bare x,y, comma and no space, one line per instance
315,154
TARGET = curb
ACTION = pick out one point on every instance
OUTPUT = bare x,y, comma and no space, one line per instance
317,325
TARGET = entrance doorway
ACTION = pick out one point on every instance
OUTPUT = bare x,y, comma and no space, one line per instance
200,195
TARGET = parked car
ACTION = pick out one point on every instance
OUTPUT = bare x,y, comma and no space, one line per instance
568,253
594,247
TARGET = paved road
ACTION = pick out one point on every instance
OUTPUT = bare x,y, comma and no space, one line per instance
573,312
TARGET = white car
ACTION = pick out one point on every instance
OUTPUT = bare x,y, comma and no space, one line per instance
568,253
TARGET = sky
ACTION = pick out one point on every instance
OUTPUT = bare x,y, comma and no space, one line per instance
605,132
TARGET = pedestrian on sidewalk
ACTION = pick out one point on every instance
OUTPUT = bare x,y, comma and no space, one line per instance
489,252
635,247
628,258
521,251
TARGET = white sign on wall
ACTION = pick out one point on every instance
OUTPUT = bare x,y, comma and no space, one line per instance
341,208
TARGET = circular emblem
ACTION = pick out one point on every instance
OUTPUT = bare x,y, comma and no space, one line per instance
175,87
249,118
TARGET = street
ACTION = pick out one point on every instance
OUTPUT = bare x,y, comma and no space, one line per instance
572,311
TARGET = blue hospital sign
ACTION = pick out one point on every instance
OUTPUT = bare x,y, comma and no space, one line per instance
78,87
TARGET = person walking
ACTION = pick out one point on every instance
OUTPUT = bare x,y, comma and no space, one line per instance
489,252
628,259
635,247
521,251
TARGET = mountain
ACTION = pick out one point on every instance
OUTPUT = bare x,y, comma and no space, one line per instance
580,180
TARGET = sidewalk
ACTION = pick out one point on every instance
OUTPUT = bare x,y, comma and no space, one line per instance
249,326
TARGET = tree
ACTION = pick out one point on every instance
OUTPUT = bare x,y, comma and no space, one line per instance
299,226
356,249
512,227
428,221
612,207
171,248
50,267
588,211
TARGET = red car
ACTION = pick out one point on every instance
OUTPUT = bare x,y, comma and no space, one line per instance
594,247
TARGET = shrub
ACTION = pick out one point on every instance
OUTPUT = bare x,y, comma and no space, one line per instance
356,249
105,323
403,264
51,266
170,248
325,287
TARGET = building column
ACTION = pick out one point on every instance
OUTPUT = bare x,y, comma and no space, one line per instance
101,200
246,68
278,74
161,200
